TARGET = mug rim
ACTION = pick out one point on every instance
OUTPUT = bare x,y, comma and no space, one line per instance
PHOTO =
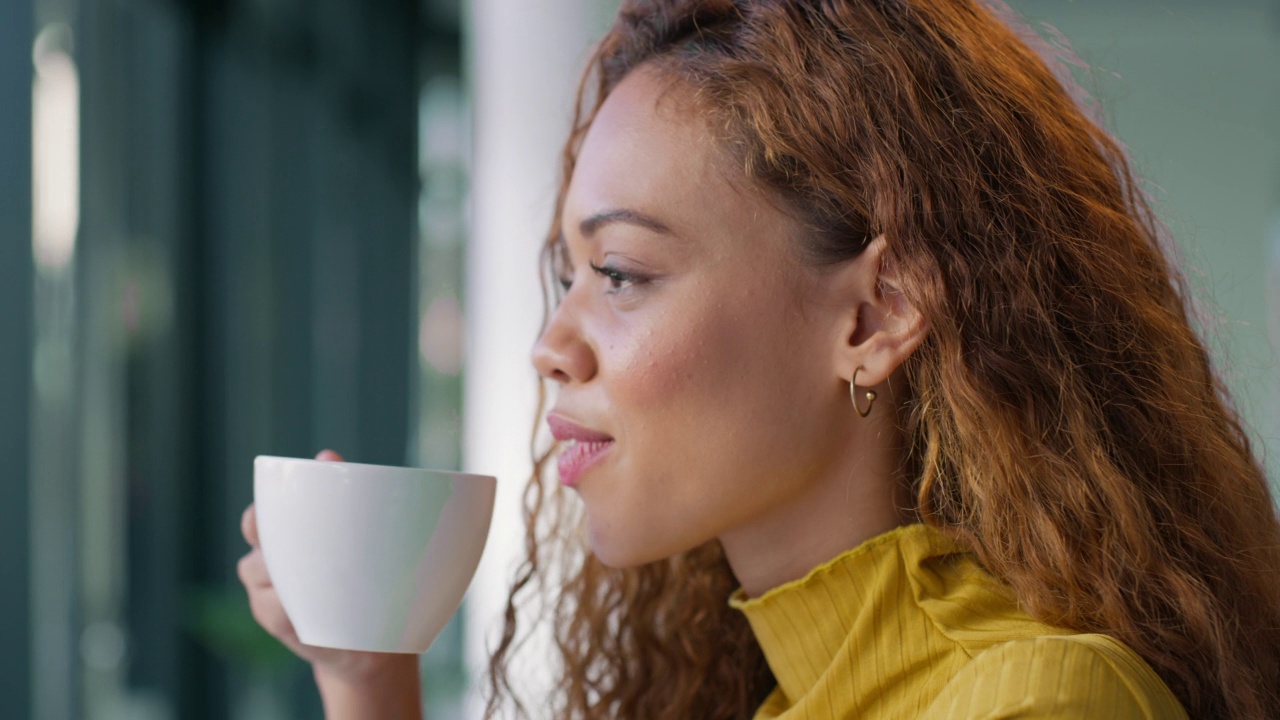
380,468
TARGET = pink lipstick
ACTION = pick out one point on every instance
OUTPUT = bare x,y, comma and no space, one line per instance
583,448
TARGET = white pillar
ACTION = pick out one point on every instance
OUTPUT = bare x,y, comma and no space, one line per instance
524,60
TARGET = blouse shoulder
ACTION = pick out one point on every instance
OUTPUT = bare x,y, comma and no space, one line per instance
1056,677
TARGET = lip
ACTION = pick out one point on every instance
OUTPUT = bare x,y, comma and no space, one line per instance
584,448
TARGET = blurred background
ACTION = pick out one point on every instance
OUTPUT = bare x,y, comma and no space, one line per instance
240,227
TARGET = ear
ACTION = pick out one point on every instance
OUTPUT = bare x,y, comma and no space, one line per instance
880,327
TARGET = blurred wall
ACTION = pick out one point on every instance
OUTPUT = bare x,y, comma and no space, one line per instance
524,60
16,270
242,284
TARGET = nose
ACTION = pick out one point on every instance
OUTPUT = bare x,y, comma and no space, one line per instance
562,353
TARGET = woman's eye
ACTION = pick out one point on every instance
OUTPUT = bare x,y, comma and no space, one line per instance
618,280
566,281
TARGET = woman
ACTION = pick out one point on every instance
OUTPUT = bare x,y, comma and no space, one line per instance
865,327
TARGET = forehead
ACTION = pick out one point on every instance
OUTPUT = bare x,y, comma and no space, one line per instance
650,149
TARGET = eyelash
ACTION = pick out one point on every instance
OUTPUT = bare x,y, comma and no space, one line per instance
618,279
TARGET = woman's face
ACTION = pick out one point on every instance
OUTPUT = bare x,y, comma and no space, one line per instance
691,345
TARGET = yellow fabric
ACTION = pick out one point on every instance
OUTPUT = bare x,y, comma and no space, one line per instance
908,625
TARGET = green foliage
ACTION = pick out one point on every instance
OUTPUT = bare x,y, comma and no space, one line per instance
220,620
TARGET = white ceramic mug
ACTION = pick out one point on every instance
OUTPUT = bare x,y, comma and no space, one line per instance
369,557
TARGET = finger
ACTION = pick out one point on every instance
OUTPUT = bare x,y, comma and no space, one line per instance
252,570
329,456
249,525
269,613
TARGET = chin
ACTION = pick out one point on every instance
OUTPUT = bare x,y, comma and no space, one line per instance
620,554
616,561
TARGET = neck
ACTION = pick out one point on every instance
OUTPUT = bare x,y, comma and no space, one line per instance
856,498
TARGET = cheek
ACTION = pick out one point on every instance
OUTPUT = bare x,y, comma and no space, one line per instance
713,367
656,370
676,358
698,422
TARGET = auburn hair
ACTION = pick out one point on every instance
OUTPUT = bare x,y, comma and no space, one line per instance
1063,416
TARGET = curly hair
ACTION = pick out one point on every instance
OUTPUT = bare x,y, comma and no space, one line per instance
1063,417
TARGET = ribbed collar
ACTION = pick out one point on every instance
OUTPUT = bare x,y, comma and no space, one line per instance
802,625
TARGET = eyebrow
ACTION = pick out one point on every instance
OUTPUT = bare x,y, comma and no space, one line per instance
591,225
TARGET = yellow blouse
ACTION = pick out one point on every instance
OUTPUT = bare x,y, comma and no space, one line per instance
908,625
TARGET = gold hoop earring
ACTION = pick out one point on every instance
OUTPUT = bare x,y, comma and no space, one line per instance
853,395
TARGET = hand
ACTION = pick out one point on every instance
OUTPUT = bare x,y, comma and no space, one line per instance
338,672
